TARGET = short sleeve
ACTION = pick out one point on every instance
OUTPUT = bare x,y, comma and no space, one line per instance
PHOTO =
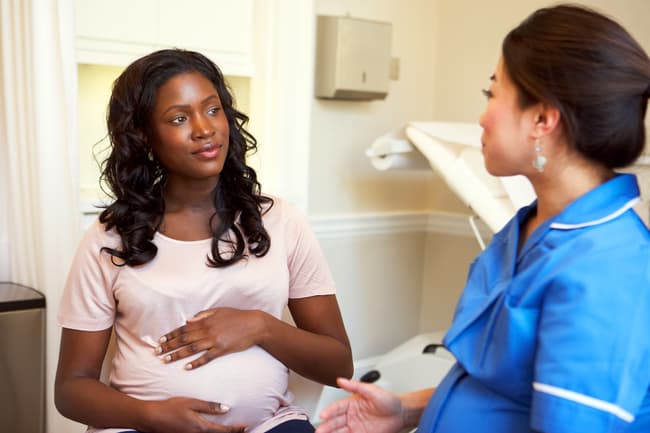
309,274
592,366
88,303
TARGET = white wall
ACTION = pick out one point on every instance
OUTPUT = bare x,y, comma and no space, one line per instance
446,261
341,178
379,275
469,43
380,298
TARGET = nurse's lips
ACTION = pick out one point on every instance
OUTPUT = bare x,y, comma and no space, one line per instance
208,151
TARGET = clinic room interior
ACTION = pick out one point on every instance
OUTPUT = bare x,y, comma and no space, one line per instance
397,232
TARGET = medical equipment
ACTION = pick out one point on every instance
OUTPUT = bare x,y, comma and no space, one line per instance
453,151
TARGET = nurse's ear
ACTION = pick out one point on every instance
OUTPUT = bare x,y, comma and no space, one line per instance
547,134
546,120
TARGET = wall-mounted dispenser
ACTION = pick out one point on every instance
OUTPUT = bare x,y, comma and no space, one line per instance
352,58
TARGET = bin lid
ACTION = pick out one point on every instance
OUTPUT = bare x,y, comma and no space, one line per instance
14,297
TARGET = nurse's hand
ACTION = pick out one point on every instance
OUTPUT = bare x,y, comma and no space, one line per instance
370,410
216,332
181,414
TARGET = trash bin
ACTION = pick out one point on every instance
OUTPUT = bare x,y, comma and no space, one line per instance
22,359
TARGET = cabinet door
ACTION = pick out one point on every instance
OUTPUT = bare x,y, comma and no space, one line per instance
221,25
115,32
118,31
117,20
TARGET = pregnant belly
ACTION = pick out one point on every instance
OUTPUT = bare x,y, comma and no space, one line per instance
252,383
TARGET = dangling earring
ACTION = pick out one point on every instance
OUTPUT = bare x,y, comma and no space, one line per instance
150,155
540,160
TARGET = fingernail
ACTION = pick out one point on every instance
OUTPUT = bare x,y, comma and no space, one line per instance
224,407
158,350
188,366
167,358
162,339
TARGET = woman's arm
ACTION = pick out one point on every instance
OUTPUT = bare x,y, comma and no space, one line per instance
79,394
317,347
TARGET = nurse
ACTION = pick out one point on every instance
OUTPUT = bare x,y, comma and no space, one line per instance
551,331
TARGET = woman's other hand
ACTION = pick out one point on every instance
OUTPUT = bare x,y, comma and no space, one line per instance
370,410
216,332
181,414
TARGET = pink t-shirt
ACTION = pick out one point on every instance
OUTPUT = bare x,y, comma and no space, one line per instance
145,302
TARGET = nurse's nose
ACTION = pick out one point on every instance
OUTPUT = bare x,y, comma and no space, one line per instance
482,118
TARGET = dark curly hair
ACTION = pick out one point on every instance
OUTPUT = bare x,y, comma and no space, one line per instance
592,70
136,179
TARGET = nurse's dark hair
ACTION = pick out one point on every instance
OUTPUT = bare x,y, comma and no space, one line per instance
592,70
133,177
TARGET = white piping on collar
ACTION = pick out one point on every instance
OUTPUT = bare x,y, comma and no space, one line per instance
585,400
624,208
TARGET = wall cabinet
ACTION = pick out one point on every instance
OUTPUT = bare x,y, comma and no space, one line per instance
119,31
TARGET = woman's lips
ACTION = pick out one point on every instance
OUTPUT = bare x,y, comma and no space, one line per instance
209,151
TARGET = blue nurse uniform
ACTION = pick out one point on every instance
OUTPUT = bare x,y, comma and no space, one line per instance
554,338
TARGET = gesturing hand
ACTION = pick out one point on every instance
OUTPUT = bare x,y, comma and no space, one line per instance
182,415
216,332
370,410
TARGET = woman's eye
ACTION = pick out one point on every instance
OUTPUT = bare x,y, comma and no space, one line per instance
179,119
214,110
487,93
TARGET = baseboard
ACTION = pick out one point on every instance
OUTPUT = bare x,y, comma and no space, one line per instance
341,226
355,225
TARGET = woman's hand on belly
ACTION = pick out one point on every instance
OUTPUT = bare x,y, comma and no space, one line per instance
252,383
216,332
181,414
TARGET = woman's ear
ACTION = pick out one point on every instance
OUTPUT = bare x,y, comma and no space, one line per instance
142,136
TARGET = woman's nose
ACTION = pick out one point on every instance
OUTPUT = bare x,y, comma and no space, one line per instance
202,127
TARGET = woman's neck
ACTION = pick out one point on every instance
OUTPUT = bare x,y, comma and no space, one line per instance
189,196
190,212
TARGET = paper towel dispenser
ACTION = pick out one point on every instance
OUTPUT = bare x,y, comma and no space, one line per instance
352,58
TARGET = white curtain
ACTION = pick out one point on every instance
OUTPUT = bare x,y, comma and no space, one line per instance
39,192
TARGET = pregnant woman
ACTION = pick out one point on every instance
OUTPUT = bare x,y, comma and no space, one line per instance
192,266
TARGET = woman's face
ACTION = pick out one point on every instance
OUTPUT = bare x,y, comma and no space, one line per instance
190,128
508,147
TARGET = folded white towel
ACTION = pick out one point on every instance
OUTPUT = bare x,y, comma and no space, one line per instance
393,151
